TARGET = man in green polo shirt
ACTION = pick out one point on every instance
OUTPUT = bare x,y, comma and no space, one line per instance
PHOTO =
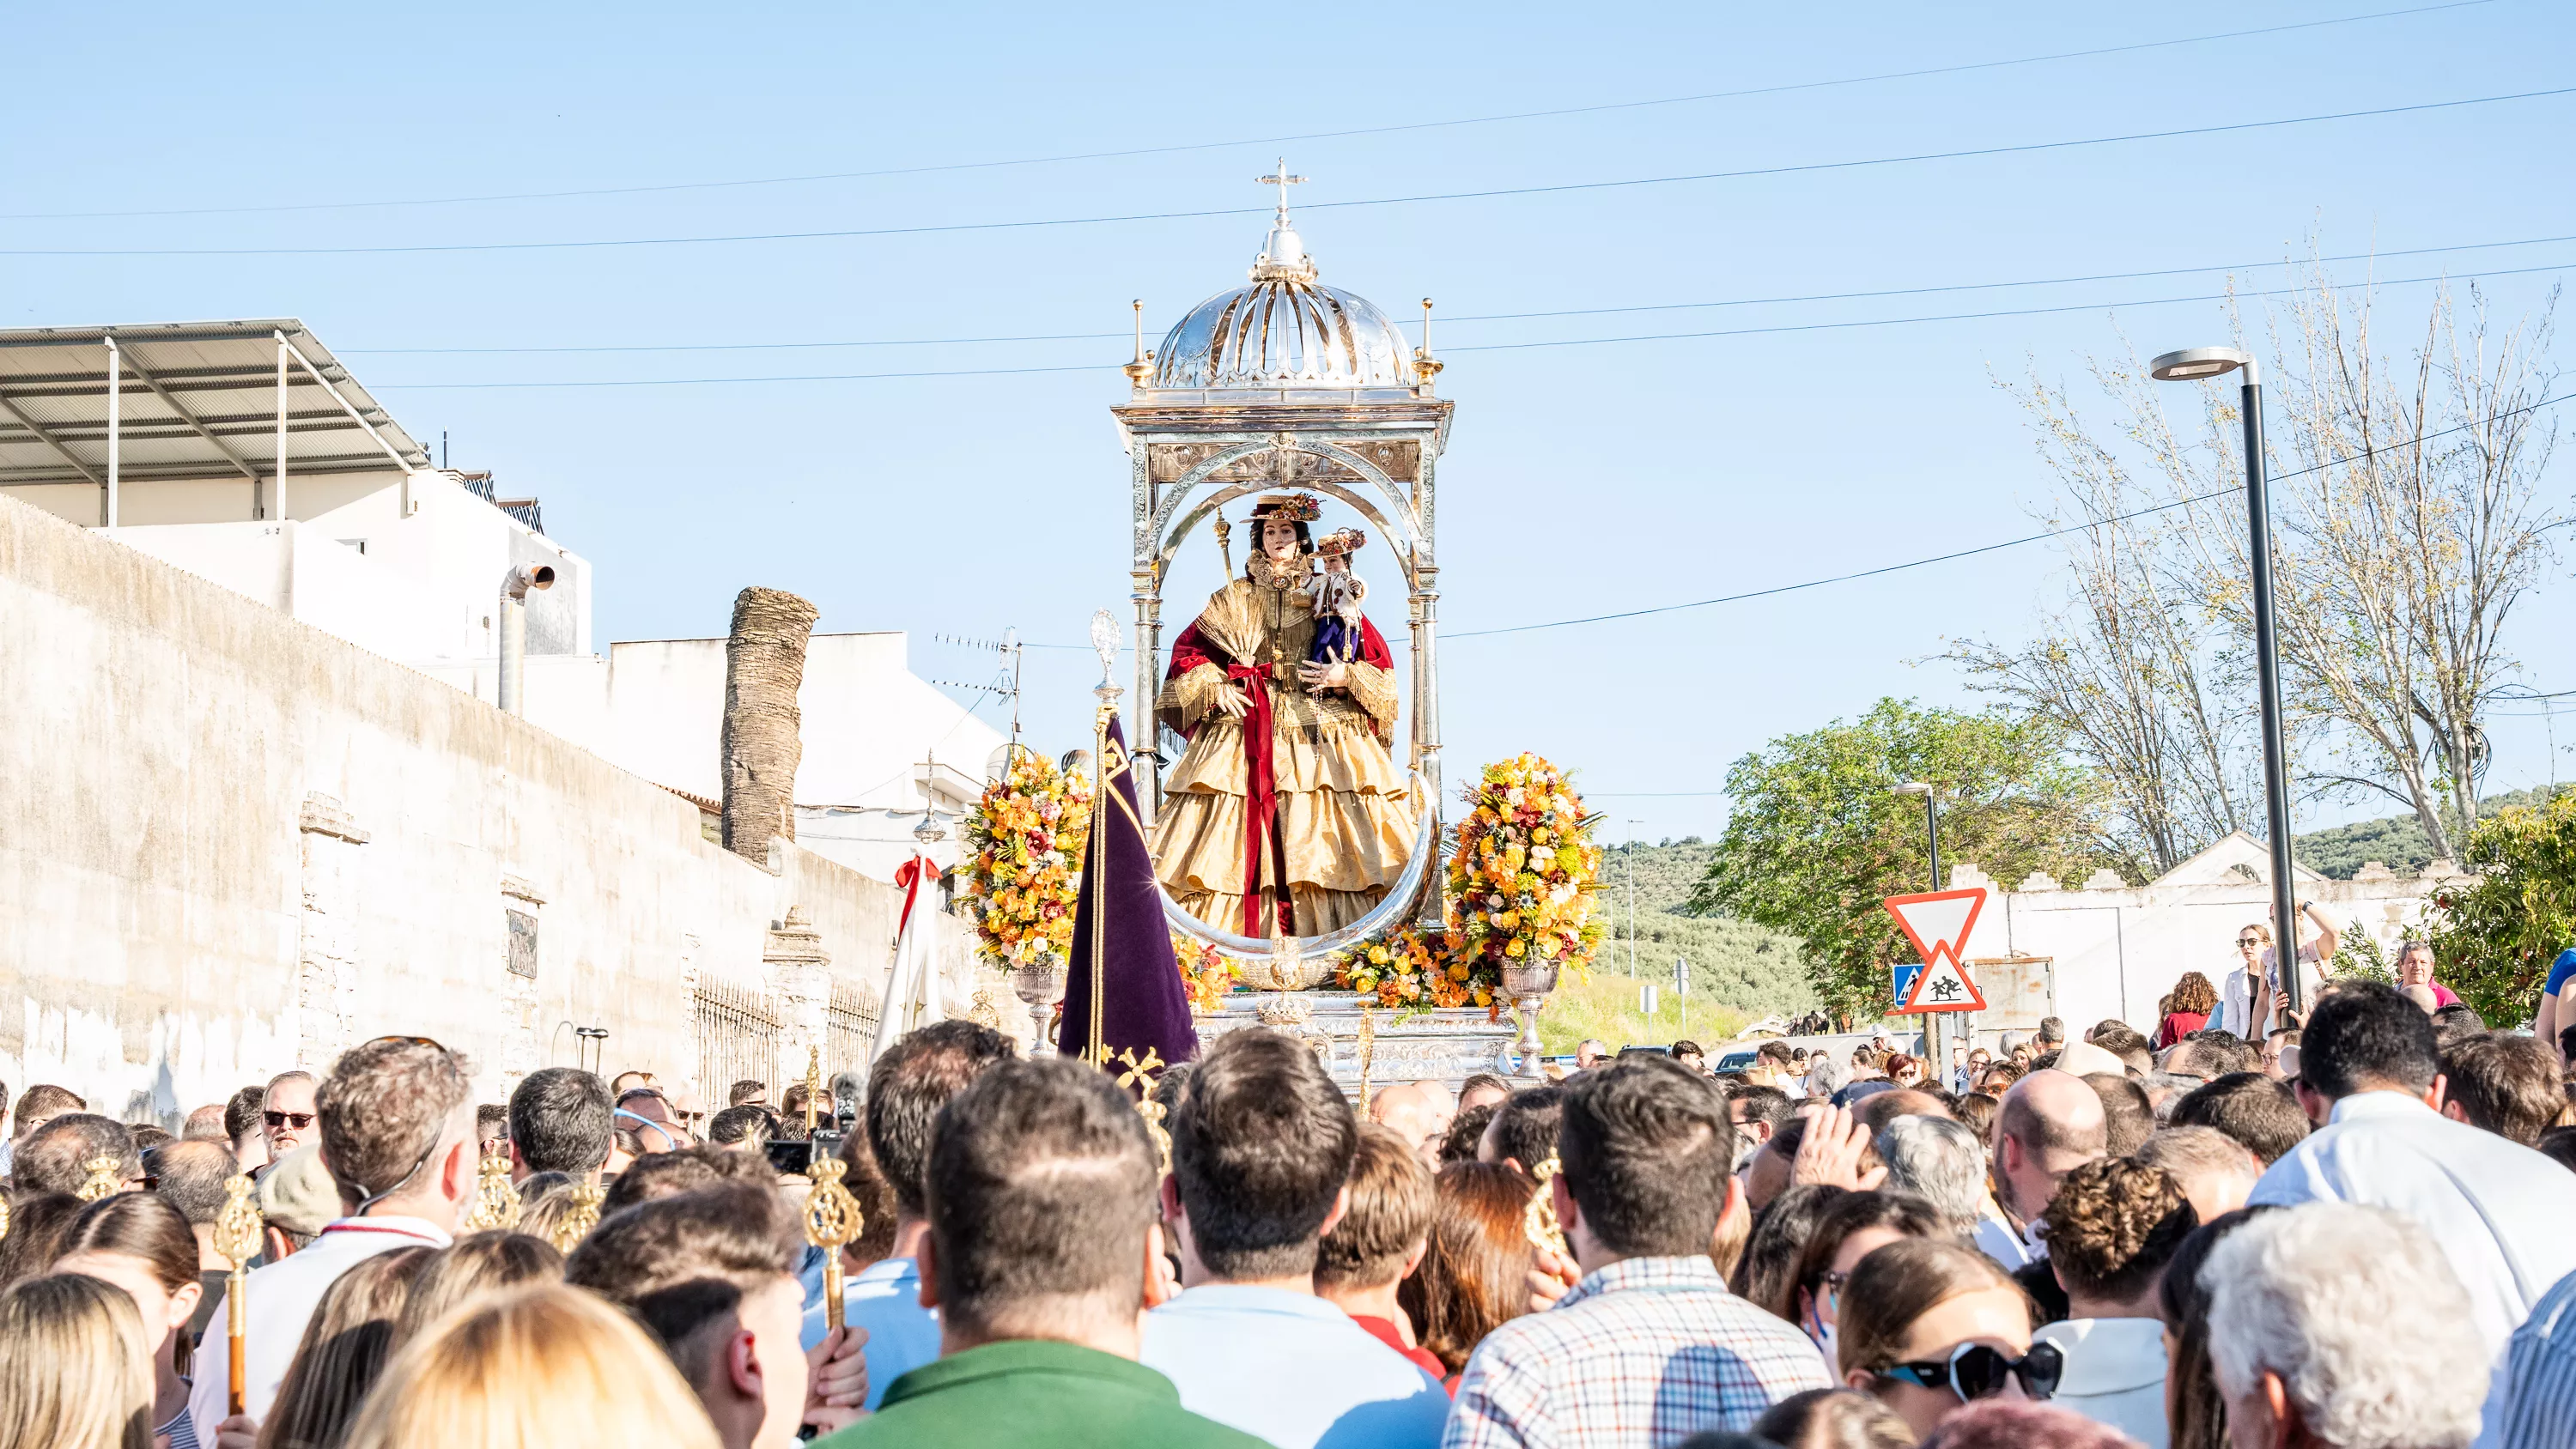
1041,1190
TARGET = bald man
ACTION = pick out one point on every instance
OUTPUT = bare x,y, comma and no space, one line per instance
2051,1123
1412,1114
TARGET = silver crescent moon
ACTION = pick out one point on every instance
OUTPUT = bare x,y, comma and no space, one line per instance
1400,898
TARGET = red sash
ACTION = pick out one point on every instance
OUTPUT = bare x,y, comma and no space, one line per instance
1261,793
910,876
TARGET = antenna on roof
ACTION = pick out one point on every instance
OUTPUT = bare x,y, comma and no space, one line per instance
442,448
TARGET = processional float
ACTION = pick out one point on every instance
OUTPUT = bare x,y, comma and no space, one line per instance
1286,384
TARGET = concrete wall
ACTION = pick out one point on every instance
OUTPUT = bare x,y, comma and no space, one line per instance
232,843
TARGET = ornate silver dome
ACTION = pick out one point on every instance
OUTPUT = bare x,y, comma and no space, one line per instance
1283,331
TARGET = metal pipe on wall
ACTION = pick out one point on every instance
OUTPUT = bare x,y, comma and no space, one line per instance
510,689
115,425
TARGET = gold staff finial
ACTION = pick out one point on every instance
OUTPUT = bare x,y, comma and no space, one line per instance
832,1217
580,1218
1538,1221
104,1179
237,1236
1138,1076
813,1085
496,1200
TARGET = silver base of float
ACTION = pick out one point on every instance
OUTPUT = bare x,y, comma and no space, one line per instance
1446,1044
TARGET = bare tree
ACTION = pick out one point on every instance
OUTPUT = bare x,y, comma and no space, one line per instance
2410,525
2132,671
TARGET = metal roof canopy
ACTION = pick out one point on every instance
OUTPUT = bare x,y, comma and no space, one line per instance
196,400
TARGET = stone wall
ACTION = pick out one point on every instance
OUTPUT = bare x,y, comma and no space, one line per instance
231,843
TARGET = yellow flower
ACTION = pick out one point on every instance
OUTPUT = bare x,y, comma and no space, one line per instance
1377,955
1516,948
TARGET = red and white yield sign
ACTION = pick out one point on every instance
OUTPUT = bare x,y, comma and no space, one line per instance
1938,923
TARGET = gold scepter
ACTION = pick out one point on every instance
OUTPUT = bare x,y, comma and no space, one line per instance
103,1180
813,1086
1538,1220
237,1239
832,1218
496,1202
578,1219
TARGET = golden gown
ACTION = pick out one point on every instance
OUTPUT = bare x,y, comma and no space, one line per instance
1344,825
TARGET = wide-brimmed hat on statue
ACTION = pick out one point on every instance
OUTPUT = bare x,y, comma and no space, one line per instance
1341,541
1289,508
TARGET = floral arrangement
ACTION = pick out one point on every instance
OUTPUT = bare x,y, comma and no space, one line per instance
1520,882
1206,974
1520,885
1411,972
1024,841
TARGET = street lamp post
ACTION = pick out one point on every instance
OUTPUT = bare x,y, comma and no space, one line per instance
2192,365
1933,1066
1931,821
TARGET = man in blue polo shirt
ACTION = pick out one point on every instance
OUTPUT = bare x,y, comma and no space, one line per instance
906,1088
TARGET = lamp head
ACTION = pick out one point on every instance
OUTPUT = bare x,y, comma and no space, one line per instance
1910,787
2195,363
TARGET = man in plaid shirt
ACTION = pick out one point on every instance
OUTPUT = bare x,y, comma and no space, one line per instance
1648,1347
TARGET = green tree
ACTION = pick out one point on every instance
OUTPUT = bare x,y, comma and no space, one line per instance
1814,840
2494,935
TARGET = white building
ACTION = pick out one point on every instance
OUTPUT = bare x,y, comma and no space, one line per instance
247,454
2107,949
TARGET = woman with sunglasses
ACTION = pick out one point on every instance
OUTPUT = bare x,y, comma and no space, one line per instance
1929,1326
1851,1228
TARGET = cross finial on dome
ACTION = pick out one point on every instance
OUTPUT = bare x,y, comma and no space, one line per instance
1281,179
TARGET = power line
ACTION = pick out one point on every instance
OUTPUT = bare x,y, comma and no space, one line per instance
1995,547
1059,158
1991,547
1102,367
1561,188
1475,317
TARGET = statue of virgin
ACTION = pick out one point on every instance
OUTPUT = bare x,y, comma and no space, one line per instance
1285,816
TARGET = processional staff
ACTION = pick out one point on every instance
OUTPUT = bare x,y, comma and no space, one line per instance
832,1218
103,1179
578,1219
237,1239
496,1202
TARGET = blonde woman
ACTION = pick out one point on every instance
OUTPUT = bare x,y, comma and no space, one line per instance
72,1369
472,1268
533,1368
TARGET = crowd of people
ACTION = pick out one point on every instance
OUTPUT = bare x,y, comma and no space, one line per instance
2357,1238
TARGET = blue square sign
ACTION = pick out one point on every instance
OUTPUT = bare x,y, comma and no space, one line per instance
1905,972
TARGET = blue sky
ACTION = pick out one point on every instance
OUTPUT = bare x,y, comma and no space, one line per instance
1580,480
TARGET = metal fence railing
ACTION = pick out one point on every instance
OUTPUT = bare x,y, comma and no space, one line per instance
738,1031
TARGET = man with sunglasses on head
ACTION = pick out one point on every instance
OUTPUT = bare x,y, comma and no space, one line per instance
396,1124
